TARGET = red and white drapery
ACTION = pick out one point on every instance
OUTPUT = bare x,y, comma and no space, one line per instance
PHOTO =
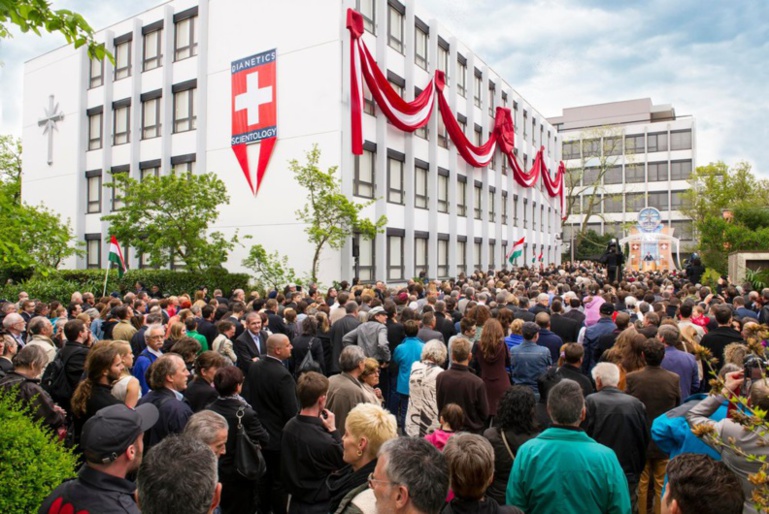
410,116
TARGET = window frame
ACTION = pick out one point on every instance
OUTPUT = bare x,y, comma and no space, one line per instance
477,200
462,196
148,130
443,190
93,114
121,132
148,33
185,94
396,17
369,23
96,80
93,240
676,145
676,167
421,43
421,174
393,235
656,138
93,206
189,45
421,240
462,76
123,69
369,149
395,159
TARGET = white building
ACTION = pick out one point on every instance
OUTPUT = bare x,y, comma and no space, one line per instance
646,154
167,104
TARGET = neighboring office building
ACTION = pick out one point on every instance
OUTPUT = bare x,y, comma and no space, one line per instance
650,154
167,104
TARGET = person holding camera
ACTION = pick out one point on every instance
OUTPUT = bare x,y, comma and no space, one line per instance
727,432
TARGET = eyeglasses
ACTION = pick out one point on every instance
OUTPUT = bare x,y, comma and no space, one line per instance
371,481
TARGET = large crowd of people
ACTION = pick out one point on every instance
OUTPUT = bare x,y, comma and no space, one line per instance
535,390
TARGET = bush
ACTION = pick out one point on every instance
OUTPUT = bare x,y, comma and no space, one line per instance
60,284
33,463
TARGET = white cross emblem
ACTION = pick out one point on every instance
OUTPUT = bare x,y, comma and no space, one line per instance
52,115
253,98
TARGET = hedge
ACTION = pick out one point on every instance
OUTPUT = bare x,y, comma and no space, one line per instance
59,285
33,463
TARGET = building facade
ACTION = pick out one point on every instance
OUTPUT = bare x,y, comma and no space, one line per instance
622,157
166,104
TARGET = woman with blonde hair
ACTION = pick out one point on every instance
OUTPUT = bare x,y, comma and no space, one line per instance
422,412
370,380
492,360
366,429
176,332
127,388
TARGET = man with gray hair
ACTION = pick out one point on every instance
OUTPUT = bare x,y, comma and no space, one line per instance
618,420
153,338
41,331
345,391
210,428
180,474
679,362
14,326
540,483
411,476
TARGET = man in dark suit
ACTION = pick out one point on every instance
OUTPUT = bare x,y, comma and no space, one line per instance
271,391
443,323
566,328
252,343
206,325
548,339
427,330
521,311
275,321
543,301
659,391
574,312
717,339
338,330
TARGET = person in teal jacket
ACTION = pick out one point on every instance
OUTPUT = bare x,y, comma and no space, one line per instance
563,470
406,354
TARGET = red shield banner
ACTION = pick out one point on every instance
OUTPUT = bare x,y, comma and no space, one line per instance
254,111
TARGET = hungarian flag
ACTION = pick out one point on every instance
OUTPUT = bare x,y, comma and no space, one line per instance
517,250
540,256
116,256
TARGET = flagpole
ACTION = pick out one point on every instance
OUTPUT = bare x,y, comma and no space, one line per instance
106,276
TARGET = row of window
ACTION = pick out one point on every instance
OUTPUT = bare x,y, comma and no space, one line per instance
185,46
364,186
184,116
633,144
632,173
683,230
633,202
94,181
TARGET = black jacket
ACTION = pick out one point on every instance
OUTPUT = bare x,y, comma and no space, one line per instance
31,394
270,389
485,506
577,316
443,325
618,420
301,345
245,349
199,394
338,331
94,491
567,328
174,415
717,339
503,463
277,325
74,355
207,329
101,396
228,407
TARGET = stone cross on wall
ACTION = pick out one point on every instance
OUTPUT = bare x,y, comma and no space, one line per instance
52,115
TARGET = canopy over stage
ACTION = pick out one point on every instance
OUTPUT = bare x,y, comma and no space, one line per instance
651,243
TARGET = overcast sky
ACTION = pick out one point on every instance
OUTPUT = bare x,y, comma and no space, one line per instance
707,58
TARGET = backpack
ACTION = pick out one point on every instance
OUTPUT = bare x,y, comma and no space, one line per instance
55,381
308,362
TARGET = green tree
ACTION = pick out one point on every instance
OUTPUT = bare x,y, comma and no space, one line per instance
166,219
591,246
33,238
270,269
37,15
330,216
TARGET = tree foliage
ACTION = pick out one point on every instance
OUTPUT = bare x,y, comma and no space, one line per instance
330,216
166,219
270,269
33,237
36,16
592,246
716,188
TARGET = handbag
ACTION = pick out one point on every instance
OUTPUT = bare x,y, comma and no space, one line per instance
249,461
308,362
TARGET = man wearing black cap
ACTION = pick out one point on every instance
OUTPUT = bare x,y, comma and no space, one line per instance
604,326
112,446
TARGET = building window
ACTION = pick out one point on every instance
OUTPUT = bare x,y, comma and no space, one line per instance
94,130
368,102
492,206
420,254
395,181
492,252
93,251
683,230
659,199
613,175
658,142
570,150
677,201
422,131
657,171
443,58
477,196
591,177
363,182
421,39
462,76
186,40
182,164
443,192
478,134
97,72
576,205
462,198
612,145
525,213
395,29
366,256
591,148
144,173
634,173
477,254
185,114
491,99
443,140
634,144
462,120
421,198
123,57
515,210
153,53
443,256
680,170
681,140
367,9
396,82
634,202
612,203
395,267
93,192
477,87
121,124
151,118
117,192
462,256
504,207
